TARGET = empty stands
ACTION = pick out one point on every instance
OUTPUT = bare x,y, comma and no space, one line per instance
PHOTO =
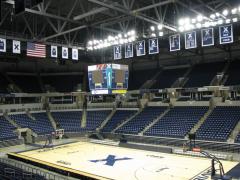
70,121
168,77
95,119
62,83
27,83
177,122
118,117
202,74
6,130
233,73
138,77
41,125
4,84
237,140
138,123
219,124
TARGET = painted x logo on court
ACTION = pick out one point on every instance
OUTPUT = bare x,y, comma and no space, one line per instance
110,160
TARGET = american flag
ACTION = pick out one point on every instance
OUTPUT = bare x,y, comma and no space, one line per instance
36,50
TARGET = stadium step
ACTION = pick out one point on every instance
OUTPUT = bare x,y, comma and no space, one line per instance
127,120
200,122
84,118
234,133
5,115
154,122
149,83
51,119
107,119
30,115
185,77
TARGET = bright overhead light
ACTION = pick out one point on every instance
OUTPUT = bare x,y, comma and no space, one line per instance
220,21
212,16
225,12
160,33
234,11
133,32
187,20
121,41
160,26
207,24
228,21
235,19
152,28
120,35
198,25
213,23
194,21
153,35
90,43
181,22
199,18
217,14
181,28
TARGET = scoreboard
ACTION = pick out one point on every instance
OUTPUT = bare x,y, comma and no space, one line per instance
108,78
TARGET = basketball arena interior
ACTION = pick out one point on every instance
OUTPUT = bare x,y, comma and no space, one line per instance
119,89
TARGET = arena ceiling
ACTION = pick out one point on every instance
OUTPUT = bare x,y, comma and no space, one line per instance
74,22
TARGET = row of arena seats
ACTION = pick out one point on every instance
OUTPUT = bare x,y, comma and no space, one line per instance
199,76
6,130
177,122
40,124
140,121
8,172
118,118
31,83
70,121
219,124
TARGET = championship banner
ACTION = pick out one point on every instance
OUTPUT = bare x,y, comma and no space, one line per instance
16,49
117,52
128,50
75,54
140,48
226,34
190,40
64,53
54,52
207,37
153,46
174,42
2,45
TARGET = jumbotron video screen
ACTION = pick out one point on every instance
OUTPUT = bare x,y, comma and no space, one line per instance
108,78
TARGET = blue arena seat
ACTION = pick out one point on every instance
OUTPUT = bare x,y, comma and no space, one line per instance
233,74
219,124
6,130
168,77
4,84
27,83
70,121
118,117
177,122
139,122
202,74
41,125
237,140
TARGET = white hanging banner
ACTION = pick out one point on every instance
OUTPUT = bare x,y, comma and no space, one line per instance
226,34
2,45
174,42
140,48
54,51
153,46
16,47
64,53
75,54
117,52
190,40
207,37
129,50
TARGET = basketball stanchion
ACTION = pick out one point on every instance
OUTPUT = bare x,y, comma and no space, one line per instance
191,146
